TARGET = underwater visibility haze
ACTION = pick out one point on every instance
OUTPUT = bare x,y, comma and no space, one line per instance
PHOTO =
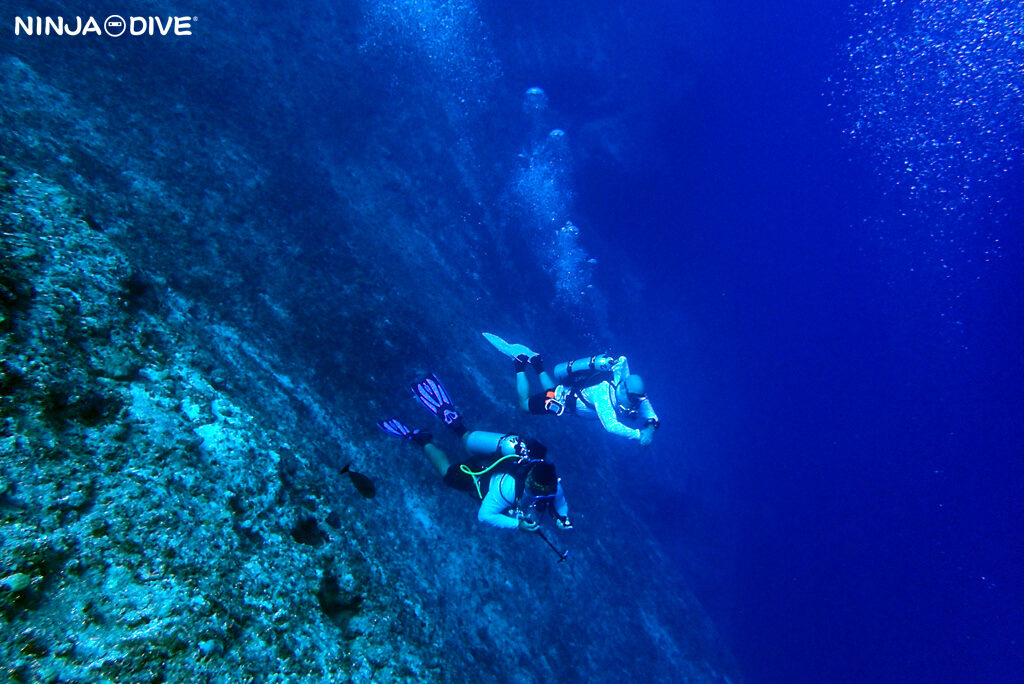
231,244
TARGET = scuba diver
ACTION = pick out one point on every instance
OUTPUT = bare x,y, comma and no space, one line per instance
591,387
508,474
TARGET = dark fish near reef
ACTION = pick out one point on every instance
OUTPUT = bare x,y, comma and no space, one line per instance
363,484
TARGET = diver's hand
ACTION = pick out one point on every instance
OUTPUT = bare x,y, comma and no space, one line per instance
563,523
647,436
527,525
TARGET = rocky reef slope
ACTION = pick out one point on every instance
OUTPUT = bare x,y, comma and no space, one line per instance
211,285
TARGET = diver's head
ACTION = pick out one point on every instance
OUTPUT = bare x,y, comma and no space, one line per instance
535,450
539,492
630,391
541,479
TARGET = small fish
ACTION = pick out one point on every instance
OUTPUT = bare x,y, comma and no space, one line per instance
363,484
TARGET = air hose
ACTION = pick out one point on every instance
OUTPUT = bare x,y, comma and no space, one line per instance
476,474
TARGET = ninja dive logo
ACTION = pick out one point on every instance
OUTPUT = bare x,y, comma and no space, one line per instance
114,26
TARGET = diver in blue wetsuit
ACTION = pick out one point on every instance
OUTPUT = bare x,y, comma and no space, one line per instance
516,487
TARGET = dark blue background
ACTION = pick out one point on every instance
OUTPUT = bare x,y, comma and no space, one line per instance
840,464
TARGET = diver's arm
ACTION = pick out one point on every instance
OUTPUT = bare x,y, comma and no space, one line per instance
620,369
497,501
646,411
600,396
561,512
561,505
651,422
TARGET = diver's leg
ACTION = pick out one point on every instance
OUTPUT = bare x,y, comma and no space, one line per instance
522,383
437,457
434,453
546,381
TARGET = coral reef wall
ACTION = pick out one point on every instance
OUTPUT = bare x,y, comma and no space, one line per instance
221,259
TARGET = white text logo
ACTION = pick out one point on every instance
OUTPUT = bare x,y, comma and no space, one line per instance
115,25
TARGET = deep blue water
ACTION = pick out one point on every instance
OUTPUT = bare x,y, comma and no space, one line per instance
836,357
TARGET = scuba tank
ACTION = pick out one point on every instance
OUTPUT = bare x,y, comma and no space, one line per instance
493,443
574,371
503,453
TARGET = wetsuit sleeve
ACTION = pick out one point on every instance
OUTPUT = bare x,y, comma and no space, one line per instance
620,369
500,496
606,414
561,506
647,411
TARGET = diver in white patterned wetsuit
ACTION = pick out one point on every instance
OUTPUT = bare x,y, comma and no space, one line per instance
591,387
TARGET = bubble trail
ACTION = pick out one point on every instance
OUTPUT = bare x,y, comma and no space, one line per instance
934,90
